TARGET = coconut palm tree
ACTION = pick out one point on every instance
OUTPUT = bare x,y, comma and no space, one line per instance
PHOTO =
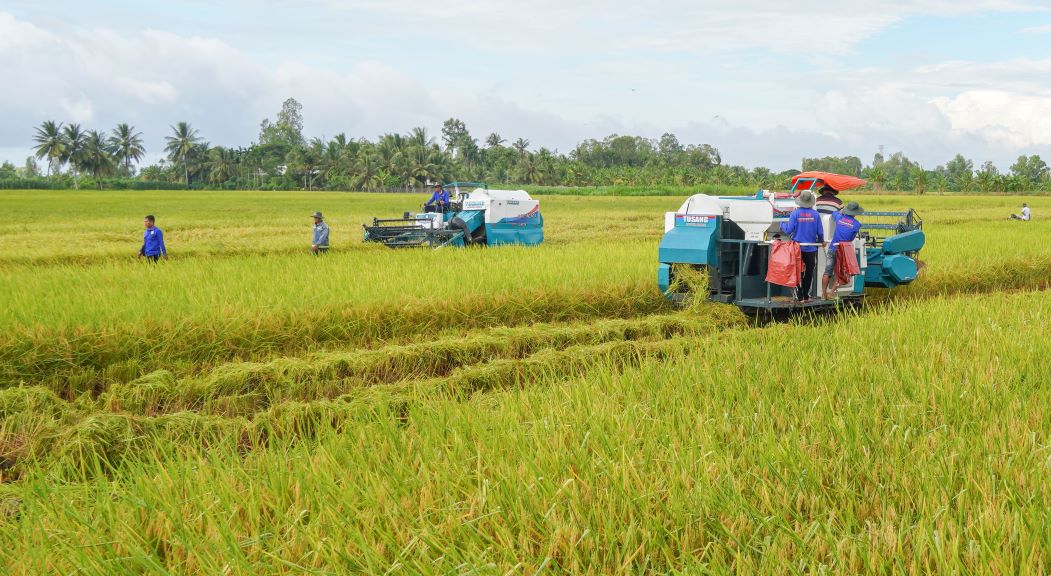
126,144
418,136
73,143
220,164
180,145
49,142
521,145
493,140
369,167
97,156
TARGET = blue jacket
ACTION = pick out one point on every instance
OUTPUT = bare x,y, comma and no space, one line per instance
847,228
321,235
804,226
153,242
441,196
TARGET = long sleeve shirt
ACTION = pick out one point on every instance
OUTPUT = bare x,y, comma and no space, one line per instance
828,203
440,196
804,226
321,235
153,242
847,228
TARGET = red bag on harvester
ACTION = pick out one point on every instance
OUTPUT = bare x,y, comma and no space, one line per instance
846,263
785,264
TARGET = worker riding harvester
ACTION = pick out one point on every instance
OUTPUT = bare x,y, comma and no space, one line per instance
481,217
730,240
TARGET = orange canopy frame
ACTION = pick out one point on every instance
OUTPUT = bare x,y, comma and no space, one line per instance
839,182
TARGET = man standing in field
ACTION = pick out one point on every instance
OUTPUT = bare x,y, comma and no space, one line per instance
1024,216
152,241
319,244
804,226
846,230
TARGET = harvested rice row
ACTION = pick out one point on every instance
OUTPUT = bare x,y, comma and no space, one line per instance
328,373
72,363
39,429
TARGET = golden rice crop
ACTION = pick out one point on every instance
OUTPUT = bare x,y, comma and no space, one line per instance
246,408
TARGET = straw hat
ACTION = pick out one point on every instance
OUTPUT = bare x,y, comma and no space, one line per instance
318,216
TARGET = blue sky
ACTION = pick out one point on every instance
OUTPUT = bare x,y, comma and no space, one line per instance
767,82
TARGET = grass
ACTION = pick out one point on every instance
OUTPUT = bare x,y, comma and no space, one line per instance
245,408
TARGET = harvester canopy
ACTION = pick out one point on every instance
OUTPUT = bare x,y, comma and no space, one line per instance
814,180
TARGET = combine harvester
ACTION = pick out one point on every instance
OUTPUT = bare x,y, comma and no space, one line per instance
482,217
730,237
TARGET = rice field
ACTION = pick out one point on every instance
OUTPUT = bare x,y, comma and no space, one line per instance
246,408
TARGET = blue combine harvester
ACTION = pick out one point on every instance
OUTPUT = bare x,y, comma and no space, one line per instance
481,217
728,238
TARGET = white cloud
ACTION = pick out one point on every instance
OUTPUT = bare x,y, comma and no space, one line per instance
586,61
696,26
1045,29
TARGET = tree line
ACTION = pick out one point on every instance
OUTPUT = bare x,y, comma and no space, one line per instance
283,159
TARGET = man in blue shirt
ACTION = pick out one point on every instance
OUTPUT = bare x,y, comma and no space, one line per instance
319,245
847,228
804,226
152,241
439,200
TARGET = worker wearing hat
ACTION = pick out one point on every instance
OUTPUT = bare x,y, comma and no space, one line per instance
828,201
320,243
804,226
847,228
439,200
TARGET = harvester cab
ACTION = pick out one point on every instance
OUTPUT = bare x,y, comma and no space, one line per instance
480,217
728,240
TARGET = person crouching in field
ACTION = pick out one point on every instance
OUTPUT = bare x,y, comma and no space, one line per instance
1024,216
847,228
319,245
804,226
152,241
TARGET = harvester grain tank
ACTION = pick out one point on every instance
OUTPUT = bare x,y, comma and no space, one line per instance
729,239
481,217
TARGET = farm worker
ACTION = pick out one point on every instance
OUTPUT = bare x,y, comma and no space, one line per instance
828,202
847,228
804,226
320,243
152,241
439,200
1025,213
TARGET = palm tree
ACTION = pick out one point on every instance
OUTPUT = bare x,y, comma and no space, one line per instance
493,140
521,145
49,142
73,142
126,144
419,137
220,164
368,167
180,145
97,156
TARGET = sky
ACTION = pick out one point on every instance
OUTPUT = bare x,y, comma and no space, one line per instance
767,82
